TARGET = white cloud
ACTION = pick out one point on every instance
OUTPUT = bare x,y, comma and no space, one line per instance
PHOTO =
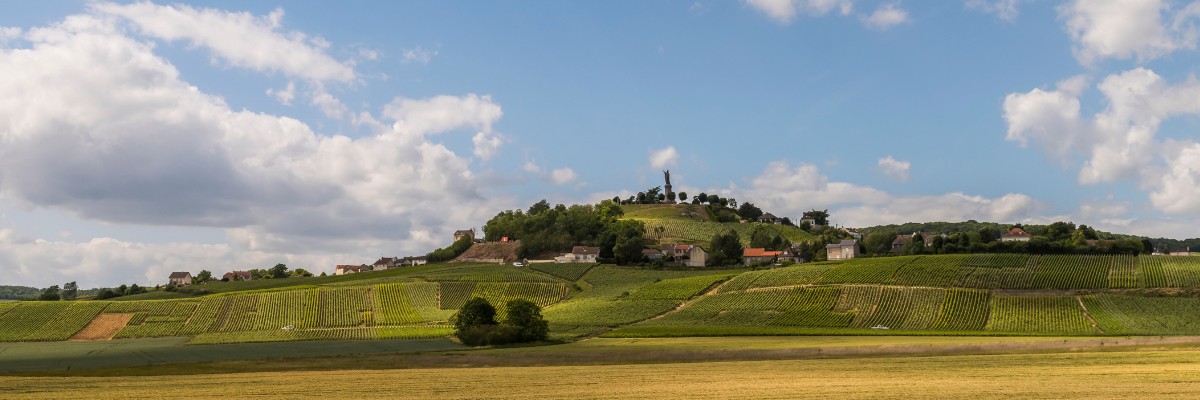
664,157
120,138
418,55
239,38
894,169
786,190
9,33
559,176
284,96
1121,141
368,54
885,16
784,11
329,105
563,176
1004,9
1124,29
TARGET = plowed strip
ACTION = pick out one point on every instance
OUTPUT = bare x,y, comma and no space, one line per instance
103,327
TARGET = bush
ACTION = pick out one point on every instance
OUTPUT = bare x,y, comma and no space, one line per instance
475,323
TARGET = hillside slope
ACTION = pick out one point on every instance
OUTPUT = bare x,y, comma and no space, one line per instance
992,294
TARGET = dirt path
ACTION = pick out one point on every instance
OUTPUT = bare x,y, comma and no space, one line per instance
103,327
1088,315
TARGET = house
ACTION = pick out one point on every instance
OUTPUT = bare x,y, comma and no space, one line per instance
652,254
790,254
579,254
1184,252
810,220
237,276
1015,235
464,232
843,250
688,255
180,278
769,218
903,241
854,233
413,261
758,254
349,269
386,263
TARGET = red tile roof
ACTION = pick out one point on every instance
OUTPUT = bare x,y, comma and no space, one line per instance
759,252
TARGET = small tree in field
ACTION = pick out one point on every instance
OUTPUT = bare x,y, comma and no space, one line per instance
525,318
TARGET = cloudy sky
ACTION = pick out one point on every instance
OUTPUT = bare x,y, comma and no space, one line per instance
142,138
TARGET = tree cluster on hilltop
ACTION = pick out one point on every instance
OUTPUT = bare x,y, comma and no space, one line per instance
543,229
984,237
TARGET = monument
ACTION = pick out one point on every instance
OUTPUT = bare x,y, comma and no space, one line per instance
670,195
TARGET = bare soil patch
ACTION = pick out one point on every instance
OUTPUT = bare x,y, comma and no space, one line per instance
103,327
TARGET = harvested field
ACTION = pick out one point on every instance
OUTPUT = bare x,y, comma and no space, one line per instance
490,253
103,327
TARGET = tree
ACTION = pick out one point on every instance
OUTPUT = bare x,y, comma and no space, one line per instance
49,294
819,217
641,198
204,276
628,249
683,197
616,199
726,248
703,197
671,196
279,271
70,291
653,194
477,311
525,319
301,273
987,235
879,242
749,211
539,207
916,245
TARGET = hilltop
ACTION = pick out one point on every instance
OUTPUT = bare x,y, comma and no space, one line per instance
693,224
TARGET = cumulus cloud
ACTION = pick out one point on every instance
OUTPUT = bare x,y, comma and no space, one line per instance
1004,9
785,189
1125,29
119,137
239,38
894,169
885,16
1121,141
784,11
9,33
664,158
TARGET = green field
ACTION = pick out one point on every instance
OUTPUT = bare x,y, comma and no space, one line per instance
970,295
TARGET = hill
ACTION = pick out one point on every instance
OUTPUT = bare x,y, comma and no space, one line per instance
692,224
993,294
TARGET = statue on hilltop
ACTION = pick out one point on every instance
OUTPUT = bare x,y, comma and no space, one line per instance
670,195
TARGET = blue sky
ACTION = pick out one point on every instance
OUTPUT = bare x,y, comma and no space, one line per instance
142,138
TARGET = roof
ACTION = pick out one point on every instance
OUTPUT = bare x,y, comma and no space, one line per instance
651,252
387,261
758,252
585,250
346,267
843,243
238,273
768,216
1015,232
180,275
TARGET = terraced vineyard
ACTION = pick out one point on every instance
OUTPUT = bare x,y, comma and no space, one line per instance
995,294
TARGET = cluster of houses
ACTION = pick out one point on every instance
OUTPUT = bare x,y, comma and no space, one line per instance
691,255
383,264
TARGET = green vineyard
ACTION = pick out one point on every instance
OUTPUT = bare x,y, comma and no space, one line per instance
993,294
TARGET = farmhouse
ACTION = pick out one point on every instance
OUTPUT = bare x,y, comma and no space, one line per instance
237,276
1015,235
579,254
689,255
652,254
769,218
758,254
810,220
180,278
413,261
386,263
789,254
843,250
903,241
464,232
349,269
